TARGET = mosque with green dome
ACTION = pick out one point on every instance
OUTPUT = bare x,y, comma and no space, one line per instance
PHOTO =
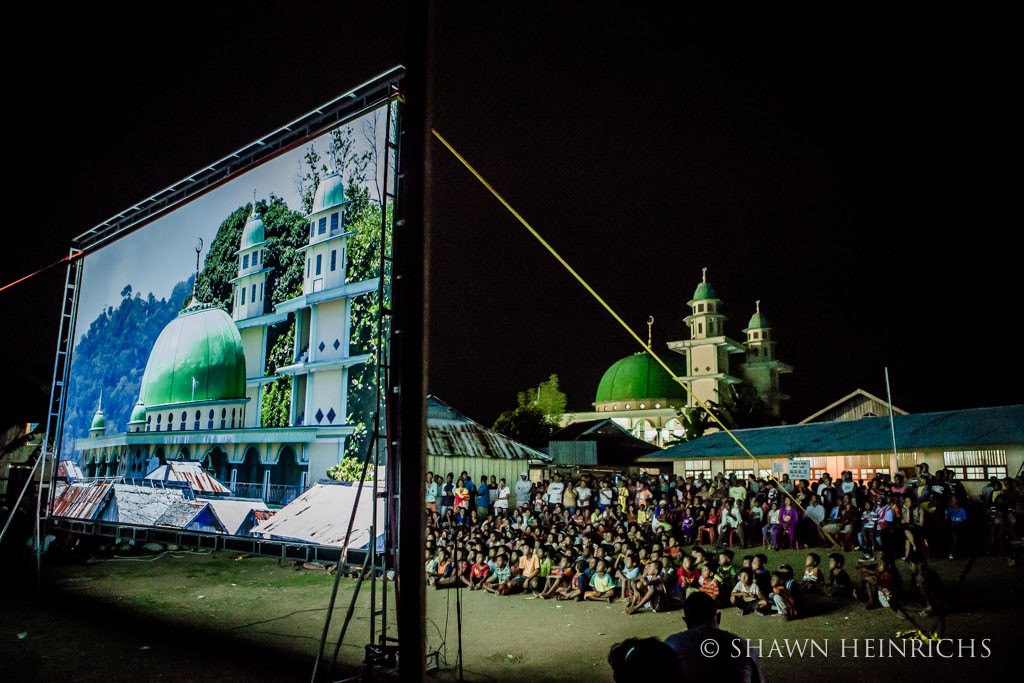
203,385
638,394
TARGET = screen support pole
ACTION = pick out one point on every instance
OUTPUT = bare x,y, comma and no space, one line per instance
409,346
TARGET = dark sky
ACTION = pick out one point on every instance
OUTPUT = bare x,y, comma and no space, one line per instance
837,164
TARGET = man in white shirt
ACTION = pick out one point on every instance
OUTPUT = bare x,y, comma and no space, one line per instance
554,492
524,487
583,496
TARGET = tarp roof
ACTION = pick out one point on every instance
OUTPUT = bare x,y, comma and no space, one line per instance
190,472
321,515
974,427
452,434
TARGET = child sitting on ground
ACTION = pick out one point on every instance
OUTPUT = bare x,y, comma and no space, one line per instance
746,596
782,602
478,573
686,577
628,576
812,580
651,592
577,585
762,577
500,581
708,582
726,571
838,584
602,585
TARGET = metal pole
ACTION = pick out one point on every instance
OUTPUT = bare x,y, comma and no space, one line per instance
892,423
409,346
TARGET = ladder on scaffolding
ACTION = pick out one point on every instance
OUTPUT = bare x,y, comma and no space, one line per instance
50,452
389,201
381,648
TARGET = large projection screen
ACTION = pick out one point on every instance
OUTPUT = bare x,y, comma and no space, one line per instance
226,328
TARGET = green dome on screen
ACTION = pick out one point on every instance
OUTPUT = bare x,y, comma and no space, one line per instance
138,412
639,376
98,421
197,357
252,234
329,193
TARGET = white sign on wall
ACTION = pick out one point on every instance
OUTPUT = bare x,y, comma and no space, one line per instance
799,468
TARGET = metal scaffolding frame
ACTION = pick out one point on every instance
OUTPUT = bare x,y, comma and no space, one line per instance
398,421
339,111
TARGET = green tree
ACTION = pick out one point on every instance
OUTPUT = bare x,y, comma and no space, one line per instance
536,414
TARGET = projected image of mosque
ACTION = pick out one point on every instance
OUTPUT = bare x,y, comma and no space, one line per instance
202,391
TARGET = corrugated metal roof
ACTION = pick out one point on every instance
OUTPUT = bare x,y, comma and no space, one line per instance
140,505
232,511
948,429
452,434
321,515
82,500
190,472
179,514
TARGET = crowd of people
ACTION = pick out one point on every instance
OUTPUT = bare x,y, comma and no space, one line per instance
649,541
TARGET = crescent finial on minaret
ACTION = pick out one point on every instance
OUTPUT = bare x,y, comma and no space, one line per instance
650,324
758,305
704,274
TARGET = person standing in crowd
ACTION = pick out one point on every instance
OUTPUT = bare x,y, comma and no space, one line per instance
483,498
447,495
431,493
524,487
501,499
554,492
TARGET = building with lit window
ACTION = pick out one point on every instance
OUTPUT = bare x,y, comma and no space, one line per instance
975,444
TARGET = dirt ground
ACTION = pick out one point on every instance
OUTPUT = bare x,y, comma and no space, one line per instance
188,616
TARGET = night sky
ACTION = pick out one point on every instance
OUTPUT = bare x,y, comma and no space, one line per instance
836,164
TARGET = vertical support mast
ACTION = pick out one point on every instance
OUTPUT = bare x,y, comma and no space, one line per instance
58,400
410,343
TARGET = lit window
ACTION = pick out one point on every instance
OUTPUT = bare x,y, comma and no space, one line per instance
642,406
627,406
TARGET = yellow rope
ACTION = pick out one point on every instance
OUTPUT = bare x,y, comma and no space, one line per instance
622,322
